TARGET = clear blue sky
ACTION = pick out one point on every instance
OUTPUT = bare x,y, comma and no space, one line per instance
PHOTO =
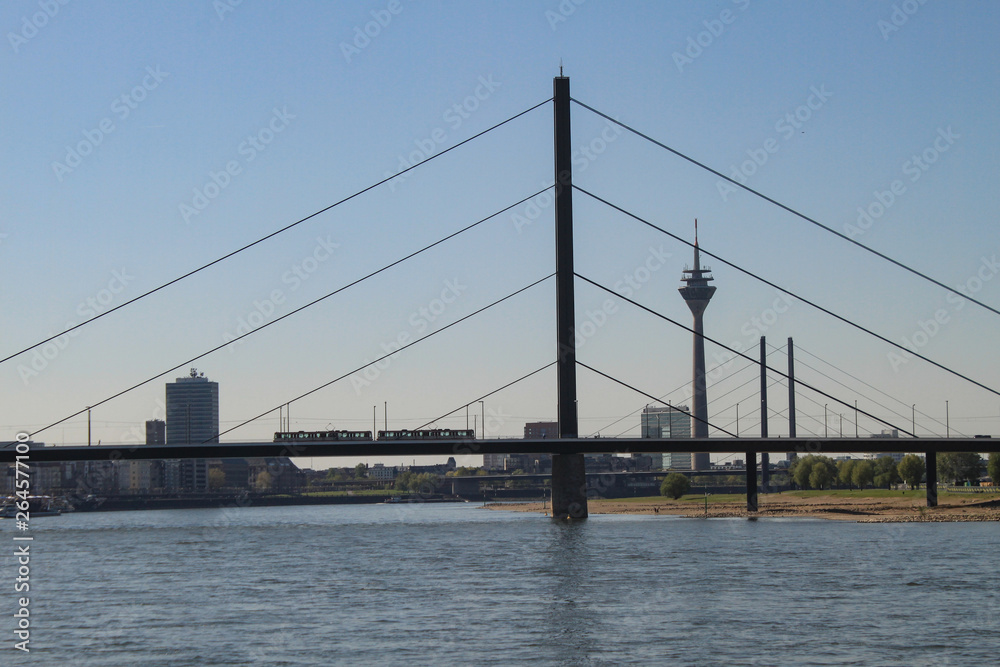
142,140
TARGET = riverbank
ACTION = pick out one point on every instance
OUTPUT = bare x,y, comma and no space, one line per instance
859,506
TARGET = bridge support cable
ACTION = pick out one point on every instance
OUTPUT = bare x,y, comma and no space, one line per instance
740,354
293,312
865,396
662,398
736,388
639,391
792,294
857,379
791,210
275,233
881,405
485,396
384,356
569,480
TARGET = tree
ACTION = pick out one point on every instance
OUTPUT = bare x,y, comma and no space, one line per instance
885,472
993,468
675,485
814,472
360,470
263,481
823,473
959,466
845,472
402,481
862,473
800,471
911,469
216,478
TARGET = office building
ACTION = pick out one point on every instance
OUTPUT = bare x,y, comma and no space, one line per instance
192,418
668,423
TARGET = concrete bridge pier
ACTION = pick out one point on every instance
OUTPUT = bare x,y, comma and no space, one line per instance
751,481
930,460
569,487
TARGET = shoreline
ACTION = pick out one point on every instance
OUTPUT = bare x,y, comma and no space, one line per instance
906,509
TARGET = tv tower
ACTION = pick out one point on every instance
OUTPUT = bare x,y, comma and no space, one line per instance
697,293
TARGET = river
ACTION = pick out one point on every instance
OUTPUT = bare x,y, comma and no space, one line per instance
456,584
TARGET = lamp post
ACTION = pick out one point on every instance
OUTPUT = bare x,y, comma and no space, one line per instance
947,421
913,419
826,431
482,406
737,420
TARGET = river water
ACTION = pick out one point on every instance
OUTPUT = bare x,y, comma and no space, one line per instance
456,584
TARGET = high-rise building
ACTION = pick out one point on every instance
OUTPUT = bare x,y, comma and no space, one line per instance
697,293
192,418
668,423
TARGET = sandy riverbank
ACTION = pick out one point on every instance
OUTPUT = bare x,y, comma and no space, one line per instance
909,507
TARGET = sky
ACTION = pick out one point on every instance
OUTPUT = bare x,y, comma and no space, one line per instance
141,141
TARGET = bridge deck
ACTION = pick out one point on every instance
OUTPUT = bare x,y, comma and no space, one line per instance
802,446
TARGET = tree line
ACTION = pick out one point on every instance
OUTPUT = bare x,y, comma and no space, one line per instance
822,472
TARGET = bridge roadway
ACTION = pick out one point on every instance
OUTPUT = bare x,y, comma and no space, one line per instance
39,453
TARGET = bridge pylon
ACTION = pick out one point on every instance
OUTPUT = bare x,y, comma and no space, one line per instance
569,481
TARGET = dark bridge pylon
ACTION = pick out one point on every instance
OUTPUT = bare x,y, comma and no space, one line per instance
569,479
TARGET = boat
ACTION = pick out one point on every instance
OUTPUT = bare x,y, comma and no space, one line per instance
37,506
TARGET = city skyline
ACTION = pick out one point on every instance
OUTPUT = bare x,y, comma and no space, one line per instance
846,135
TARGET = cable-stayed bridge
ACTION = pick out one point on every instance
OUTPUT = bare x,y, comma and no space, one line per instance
568,473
